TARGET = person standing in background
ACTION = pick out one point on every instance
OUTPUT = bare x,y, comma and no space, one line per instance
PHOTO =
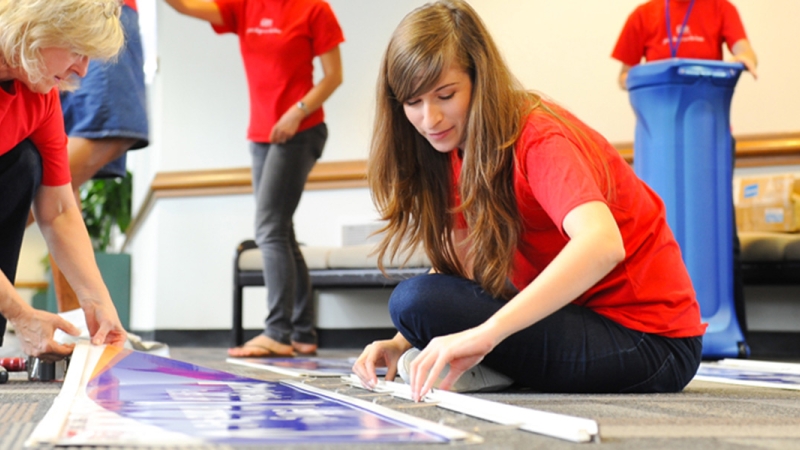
279,39
104,118
661,29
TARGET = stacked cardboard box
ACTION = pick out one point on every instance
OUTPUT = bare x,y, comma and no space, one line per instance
768,203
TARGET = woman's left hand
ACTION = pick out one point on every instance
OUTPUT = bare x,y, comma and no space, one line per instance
287,126
461,350
749,63
103,323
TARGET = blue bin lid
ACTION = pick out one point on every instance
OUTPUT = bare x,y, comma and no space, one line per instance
683,71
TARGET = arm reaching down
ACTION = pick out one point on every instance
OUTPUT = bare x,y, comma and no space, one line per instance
62,227
287,125
743,52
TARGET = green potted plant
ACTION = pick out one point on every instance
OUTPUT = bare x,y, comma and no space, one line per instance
106,204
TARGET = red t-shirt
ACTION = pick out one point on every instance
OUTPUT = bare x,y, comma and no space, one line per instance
650,290
711,23
131,4
279,40
27,115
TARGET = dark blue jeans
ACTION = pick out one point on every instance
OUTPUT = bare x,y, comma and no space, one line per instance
572,350
280,172
20,177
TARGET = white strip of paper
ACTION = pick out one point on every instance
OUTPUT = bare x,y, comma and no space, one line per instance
570,428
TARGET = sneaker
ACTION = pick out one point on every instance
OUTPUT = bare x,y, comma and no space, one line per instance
479,378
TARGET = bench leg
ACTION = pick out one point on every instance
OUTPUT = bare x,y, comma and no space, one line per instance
237,332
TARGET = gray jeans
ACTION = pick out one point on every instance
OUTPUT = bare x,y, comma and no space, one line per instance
280,172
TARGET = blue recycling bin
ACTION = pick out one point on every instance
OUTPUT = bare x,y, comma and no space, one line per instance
682,150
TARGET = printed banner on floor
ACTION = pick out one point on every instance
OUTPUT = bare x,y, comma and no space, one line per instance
751,373
116,397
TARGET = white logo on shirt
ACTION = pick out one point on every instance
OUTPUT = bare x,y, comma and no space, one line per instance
686,37
265,27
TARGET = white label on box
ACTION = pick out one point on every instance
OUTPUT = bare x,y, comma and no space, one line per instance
773,215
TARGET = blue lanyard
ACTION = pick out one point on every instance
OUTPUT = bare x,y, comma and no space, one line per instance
674,48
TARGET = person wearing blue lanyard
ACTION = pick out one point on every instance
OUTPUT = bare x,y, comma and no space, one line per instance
661,29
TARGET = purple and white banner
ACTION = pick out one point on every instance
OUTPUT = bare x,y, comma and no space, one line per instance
767,374
116,397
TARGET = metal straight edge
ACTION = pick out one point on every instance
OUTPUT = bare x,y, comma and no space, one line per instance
289,371
278,370
570,428
452,434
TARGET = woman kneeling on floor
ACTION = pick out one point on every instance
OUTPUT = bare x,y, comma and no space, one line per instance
554,266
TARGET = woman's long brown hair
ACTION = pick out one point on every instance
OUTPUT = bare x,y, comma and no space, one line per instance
412,183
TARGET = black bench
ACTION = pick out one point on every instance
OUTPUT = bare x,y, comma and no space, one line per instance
326,270
770,258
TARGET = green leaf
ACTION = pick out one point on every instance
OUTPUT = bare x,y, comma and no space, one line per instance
106,203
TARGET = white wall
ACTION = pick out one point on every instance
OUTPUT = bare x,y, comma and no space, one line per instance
559,48
198,103
563,49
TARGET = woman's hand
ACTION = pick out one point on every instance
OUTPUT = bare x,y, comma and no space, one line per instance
35,328
749,63
461,351
287,125
103,322
380,354
743,52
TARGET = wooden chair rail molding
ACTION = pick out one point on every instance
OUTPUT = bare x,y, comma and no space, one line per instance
758,150
35,285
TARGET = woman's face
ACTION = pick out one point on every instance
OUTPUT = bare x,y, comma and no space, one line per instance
58,64
440,115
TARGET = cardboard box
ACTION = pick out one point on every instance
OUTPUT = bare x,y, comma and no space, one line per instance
768,203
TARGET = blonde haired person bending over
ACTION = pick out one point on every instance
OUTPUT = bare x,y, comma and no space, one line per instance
554,267
46,44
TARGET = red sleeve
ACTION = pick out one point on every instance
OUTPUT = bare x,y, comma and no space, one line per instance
559,176
631,42
325,29
732,27
50,139
459,221
232,15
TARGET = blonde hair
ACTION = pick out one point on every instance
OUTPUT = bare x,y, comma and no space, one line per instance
87,27
412,183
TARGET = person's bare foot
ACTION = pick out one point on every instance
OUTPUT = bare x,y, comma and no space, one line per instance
304,349
261,347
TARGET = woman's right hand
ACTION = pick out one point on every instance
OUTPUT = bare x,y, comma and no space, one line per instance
380,354
34,329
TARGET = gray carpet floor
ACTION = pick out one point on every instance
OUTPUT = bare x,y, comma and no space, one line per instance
704,416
